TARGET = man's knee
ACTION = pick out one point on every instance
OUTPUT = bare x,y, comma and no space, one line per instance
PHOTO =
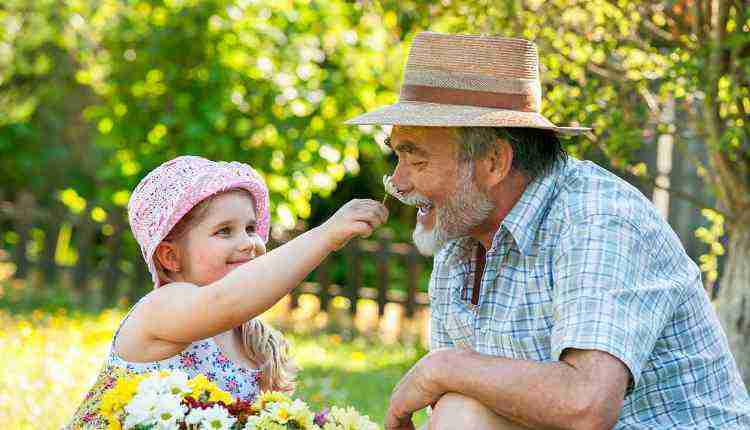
454,411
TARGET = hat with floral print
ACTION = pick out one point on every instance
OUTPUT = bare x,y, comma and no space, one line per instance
171,190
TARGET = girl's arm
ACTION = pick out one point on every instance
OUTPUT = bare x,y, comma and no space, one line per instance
184,313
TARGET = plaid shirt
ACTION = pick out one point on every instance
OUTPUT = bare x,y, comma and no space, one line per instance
584,261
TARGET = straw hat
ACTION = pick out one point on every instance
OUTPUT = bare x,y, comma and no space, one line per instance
468,81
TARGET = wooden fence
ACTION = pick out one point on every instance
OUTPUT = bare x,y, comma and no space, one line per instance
99,262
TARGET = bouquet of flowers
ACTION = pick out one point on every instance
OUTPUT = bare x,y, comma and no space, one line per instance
171,400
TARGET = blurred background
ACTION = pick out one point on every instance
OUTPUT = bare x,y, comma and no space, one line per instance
96,93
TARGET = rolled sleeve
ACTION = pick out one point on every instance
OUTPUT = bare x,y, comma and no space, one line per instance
608,292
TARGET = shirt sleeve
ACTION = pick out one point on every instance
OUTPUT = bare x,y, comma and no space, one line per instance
609,293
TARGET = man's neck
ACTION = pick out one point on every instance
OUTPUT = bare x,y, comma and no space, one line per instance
504,196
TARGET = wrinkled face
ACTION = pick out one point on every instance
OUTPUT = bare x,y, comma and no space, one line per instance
430,176
223,240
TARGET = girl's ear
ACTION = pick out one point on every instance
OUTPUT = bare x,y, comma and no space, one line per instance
168,255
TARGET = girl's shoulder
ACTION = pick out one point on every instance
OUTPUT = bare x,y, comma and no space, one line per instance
129,335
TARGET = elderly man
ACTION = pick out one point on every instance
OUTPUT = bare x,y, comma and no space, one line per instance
560,298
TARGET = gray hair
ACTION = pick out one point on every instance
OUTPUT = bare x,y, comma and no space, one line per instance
535,151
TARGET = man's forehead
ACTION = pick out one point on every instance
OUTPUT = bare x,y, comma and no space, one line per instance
421,137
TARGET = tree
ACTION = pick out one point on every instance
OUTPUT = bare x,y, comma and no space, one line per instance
100,92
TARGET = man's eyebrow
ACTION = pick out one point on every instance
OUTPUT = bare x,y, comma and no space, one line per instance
409,148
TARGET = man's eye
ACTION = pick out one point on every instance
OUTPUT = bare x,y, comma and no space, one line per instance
392,158
419,163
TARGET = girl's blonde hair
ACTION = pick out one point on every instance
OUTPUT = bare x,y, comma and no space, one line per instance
262,344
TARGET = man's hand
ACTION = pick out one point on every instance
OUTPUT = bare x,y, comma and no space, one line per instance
419,388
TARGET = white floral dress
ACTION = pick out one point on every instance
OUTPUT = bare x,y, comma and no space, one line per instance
200,357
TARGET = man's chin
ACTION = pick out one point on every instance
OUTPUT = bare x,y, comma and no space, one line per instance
426,241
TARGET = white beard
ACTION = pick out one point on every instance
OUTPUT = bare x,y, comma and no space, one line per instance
426,241
468,208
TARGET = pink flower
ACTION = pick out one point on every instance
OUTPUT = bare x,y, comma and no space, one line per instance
233,385
188,360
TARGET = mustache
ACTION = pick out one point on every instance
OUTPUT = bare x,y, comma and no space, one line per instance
413,199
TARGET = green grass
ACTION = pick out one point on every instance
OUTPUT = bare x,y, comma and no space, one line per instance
361,373
49,360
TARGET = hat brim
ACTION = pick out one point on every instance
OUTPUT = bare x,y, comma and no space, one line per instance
420,114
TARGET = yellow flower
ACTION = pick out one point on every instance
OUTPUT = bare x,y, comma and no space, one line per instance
282,414
200,385
114,400
300,413
267,397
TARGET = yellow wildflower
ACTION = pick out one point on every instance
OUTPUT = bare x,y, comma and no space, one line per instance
114,400
282,414
267,397
200,385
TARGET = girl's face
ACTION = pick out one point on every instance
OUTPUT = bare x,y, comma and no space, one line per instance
223,240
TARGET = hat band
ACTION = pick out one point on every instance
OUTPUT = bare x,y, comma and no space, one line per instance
452,96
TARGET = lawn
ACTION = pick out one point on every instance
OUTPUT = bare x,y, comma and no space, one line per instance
50,359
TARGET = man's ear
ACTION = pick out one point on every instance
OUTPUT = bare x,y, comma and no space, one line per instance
497,164
168,255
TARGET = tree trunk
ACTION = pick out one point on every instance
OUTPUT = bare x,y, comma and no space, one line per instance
734,298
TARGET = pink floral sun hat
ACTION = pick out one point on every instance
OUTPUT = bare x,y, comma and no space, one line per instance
168,192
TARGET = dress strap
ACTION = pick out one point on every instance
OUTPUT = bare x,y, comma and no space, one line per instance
122,322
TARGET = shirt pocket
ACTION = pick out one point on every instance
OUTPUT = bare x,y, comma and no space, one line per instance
535,347
459,326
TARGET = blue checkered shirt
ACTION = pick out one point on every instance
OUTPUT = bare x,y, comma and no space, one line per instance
584,261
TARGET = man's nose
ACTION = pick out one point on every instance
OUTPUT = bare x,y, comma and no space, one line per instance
400,179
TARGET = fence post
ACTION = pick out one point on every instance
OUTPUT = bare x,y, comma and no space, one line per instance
323,278
23,213
354,281
112,269
142,278
383,275
55,219
412,280
84,245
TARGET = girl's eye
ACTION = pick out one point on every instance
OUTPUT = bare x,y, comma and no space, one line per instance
250,229
224,230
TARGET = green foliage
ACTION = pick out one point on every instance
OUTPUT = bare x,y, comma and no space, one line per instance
631,70
120,87
93,94
711,236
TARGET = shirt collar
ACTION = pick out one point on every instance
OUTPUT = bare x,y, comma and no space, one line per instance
524,219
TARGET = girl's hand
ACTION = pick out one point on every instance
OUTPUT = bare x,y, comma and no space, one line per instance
357,217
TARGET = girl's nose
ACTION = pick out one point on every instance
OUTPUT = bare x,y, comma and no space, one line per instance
253,244
260,247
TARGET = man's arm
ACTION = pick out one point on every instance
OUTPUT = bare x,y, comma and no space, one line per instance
584,390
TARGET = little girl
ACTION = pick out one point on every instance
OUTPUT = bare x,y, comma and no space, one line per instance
202,227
